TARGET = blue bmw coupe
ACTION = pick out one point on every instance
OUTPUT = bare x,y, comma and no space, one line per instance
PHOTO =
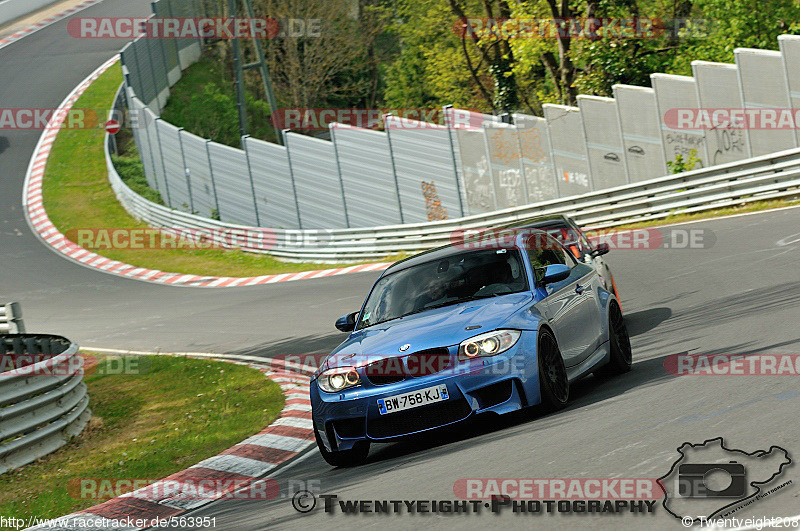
461,331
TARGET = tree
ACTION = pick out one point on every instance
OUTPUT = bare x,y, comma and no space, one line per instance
325,54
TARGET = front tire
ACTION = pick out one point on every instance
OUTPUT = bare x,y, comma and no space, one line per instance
343,458
553,381
621,358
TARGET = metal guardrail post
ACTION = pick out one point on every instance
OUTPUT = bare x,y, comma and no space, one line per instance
394,166
331,128
163,164
291,177
174,41
43,400
187,173
252,182
11,319
458,175
489,167
213,183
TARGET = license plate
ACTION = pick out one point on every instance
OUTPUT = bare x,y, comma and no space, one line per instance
429,395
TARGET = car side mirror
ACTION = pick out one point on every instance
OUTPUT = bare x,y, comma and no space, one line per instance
600,250
347,323
555,273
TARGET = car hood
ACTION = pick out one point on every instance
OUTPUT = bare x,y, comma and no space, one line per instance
440,327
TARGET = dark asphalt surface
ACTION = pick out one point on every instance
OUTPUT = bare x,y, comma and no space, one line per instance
738,297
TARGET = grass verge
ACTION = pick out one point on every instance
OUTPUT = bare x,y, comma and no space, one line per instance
204,102
175,413
756,206
77,195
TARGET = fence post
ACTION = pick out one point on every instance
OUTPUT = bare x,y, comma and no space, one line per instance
453,155
489,165
213,184
140,92
174,41
252,182
291,177
332,127
163,165
394,167
186,172
153,73
142,121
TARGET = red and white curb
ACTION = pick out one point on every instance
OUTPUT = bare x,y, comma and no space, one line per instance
241,465
41,225
24,32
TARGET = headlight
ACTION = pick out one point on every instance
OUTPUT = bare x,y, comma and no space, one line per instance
489,344
335,380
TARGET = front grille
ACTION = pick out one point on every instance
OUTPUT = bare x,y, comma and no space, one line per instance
417,419
396,369
428,362
385,371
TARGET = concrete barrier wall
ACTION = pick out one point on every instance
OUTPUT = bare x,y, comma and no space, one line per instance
11,9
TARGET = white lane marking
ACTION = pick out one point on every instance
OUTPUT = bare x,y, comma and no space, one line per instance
297,407
294,422
794,238
280,442
236,465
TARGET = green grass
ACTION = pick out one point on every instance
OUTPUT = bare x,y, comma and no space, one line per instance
130,169
756,206
204,102
77,195
146,426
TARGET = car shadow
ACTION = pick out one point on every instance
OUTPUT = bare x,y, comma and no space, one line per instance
489,427
645,320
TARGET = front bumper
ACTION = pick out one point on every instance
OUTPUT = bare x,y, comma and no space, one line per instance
500,384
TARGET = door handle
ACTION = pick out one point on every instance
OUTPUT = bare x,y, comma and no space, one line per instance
580,289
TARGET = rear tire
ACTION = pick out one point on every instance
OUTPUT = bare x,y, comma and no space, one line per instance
621,358
553,381
343,458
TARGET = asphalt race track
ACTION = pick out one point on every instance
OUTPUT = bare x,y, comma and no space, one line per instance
739,296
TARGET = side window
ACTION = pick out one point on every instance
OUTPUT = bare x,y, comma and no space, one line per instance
544,251
582,241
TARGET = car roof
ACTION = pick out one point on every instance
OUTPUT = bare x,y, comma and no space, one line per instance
555,221
452,249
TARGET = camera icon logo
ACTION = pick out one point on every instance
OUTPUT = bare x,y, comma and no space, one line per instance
700,480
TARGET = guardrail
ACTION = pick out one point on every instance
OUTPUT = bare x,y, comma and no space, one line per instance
43,400
415,172
760,178
11,319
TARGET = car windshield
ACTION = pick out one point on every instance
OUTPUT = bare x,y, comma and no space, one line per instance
445,281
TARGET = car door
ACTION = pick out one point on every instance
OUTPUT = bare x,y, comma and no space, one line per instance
571,305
